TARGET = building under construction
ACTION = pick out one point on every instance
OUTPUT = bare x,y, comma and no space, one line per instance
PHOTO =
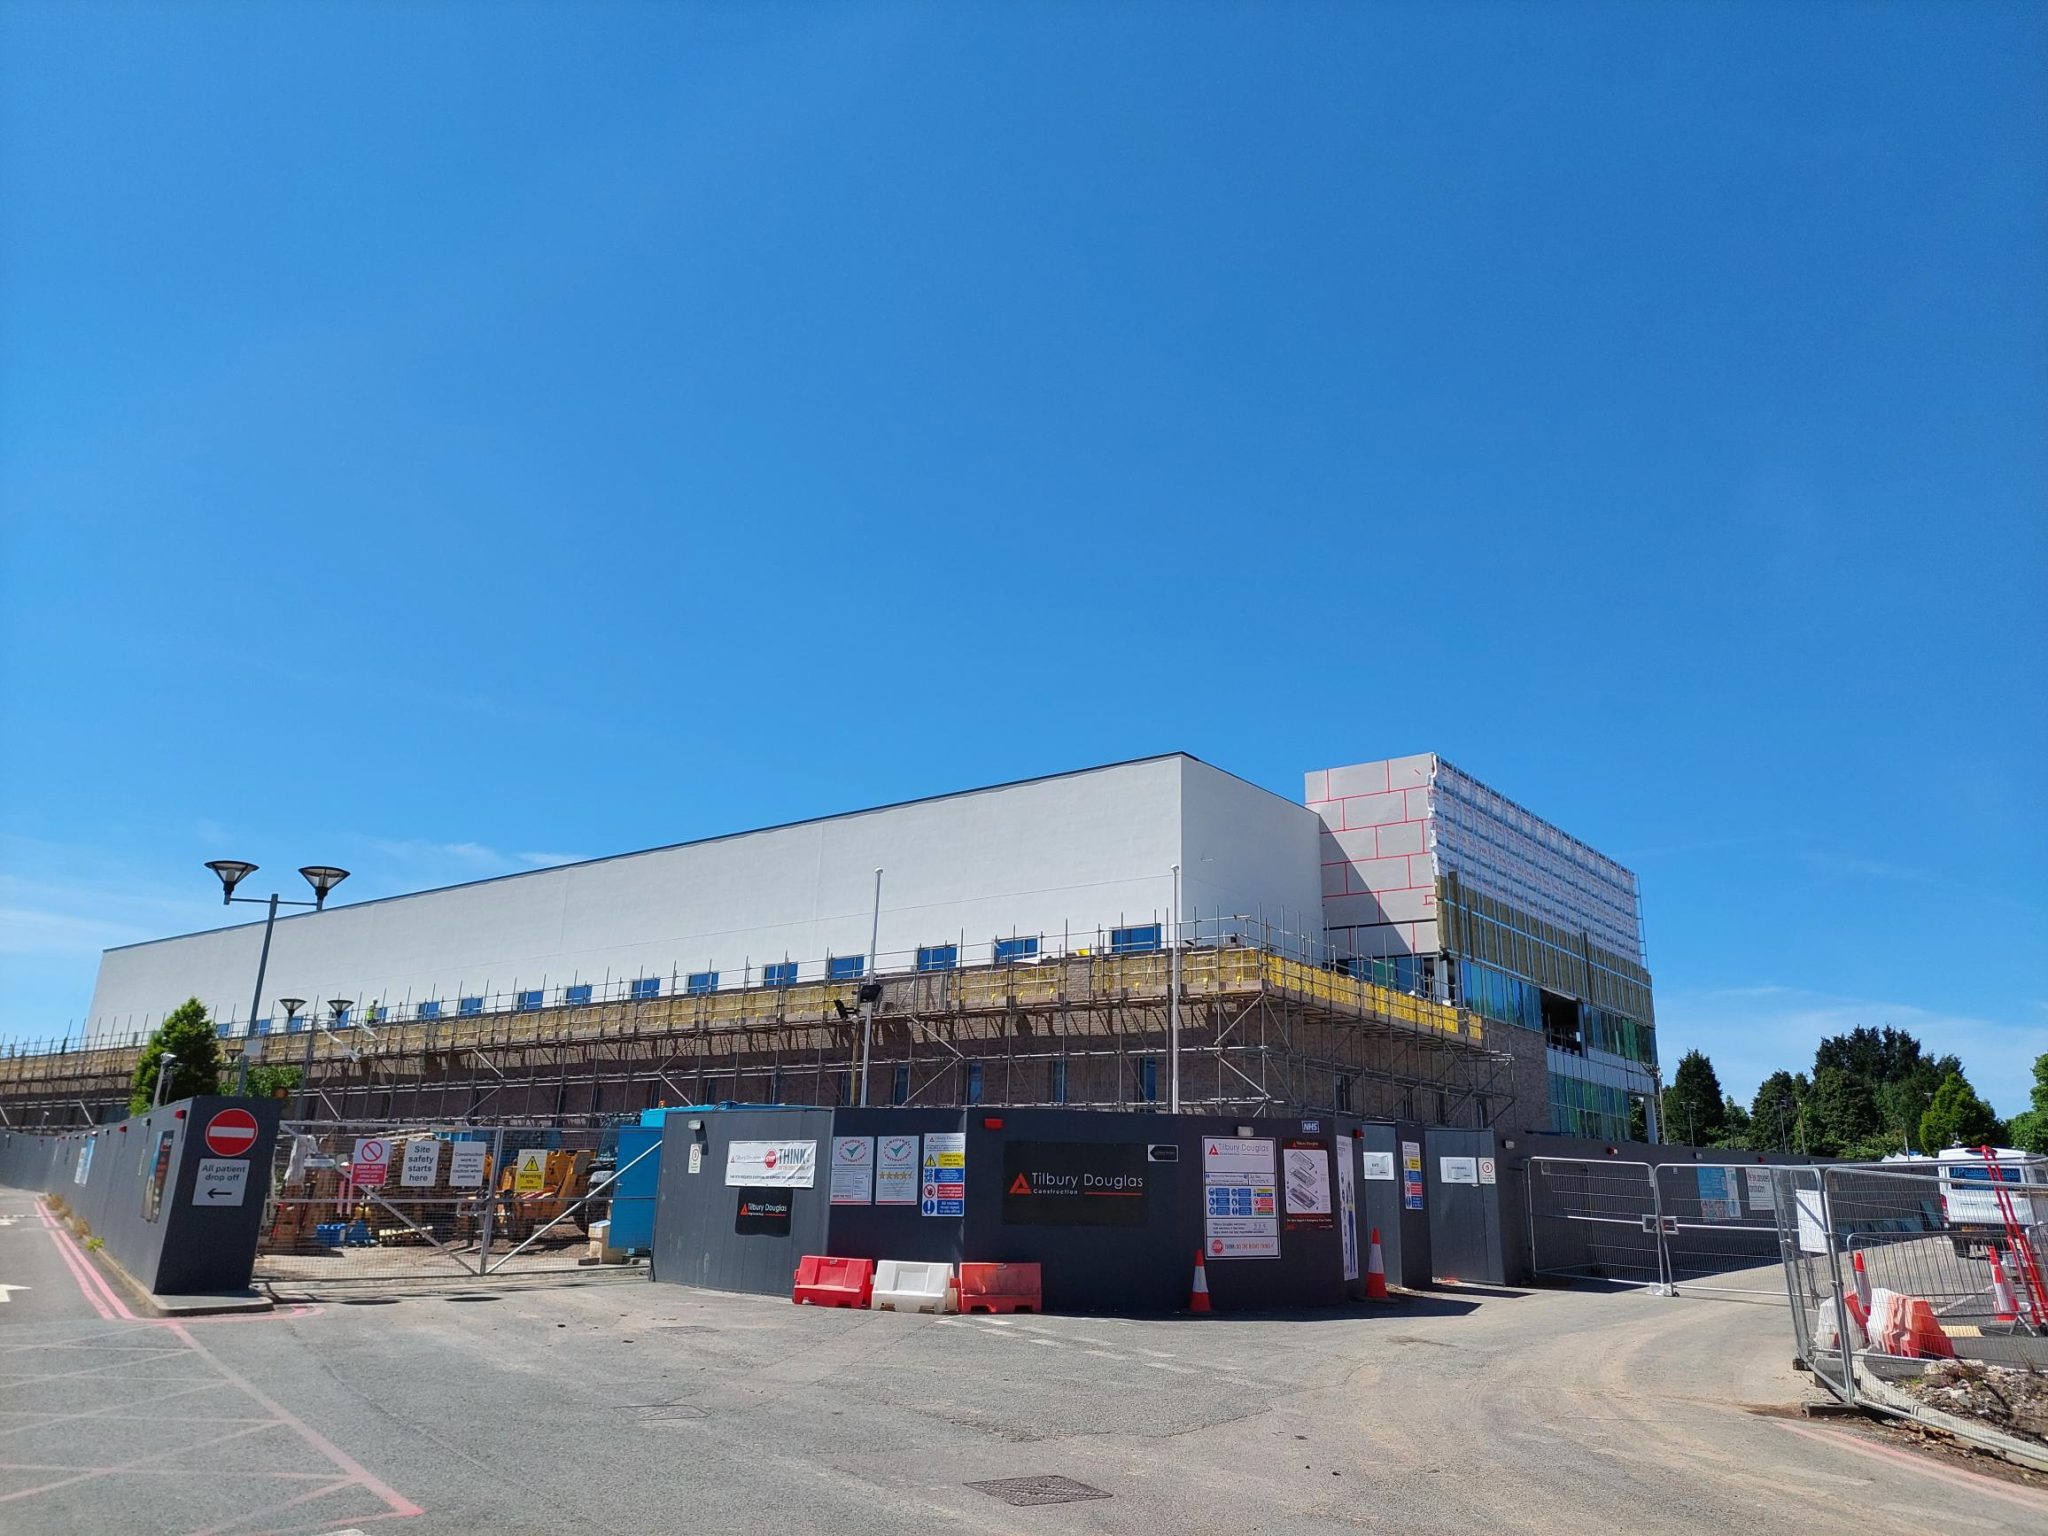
1138,936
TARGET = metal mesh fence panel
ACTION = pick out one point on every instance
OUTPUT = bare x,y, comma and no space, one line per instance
1595,1220
378,1200
1720,1229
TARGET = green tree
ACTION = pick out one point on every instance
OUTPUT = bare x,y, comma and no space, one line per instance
1736,1129
187,1036
1694,1106
2029,1128
1774,1112
1839,1117
1957,1117
266,1082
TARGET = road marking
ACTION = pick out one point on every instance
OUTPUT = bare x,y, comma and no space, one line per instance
1107,1354
6,1291
1970,1480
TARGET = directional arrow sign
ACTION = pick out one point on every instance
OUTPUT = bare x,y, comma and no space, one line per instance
4,1289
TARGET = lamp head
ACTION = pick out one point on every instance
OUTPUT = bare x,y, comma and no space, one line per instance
232,873
340,1005
291,1006
323,878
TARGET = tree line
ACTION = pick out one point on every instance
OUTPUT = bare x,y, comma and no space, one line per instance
188,1040
1871,1093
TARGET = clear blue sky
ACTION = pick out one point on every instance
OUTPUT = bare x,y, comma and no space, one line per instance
436,440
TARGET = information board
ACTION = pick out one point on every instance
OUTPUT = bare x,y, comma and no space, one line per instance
853,1170
1240,1198
943,1187
771,1164
896,1170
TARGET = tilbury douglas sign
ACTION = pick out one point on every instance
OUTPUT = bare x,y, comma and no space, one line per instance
1075,1184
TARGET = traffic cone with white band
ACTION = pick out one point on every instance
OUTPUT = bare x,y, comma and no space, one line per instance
1198,1298
2005,1304
1375,1270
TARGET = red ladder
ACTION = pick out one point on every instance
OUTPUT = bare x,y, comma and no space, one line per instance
2017,1242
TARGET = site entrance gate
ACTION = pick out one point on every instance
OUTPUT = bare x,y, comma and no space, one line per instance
1696,1226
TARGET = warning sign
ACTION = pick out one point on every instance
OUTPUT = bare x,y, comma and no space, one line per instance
1241,1200
466,1163
1486,1175
532,1176
372,1162
1411,1175
231,1133
943,1189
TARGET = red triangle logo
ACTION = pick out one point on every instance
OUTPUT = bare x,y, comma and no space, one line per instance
1020,1185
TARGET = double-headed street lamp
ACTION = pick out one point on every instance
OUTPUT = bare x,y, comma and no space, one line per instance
322,877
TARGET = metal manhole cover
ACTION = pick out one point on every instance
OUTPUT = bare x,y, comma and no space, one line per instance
1039,1490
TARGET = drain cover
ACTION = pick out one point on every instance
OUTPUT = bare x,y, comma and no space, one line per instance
1039,1490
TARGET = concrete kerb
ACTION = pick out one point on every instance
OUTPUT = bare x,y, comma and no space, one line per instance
149,1302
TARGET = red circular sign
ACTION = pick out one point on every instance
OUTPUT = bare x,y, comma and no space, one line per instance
231,1133
768,1158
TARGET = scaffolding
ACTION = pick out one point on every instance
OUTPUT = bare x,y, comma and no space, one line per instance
1261,1032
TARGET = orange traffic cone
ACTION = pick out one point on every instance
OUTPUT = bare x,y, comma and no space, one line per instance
1375,1270
1862,1283
2005,1305
1198,1298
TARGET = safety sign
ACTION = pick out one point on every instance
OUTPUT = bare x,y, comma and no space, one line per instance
853,1170
1379,1165
1759,1182
231,1133
771,1164
84,1170
1718,1201
1306,1179
1347,1212
221,1181
1457,1170
422,1165
1486,1170
1241,1203
1411,1175
372,1162
466,1163
943,1190
532,1176
896,1170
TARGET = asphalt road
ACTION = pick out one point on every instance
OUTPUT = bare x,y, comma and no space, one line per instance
621,1406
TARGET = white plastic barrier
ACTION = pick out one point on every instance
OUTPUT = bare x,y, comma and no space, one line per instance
906,1286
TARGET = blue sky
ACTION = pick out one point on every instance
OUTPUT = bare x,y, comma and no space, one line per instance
443,440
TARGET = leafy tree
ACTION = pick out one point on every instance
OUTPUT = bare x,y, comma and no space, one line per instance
1694,1106
266,1082
1736,1131
1638,1119
1774,1112
1957,1117
187,1036
1839,1117
2029,1128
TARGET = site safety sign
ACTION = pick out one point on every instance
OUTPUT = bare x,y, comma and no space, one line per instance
372,1162
532,1176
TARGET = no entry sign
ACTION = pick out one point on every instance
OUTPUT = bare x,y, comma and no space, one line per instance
231,1133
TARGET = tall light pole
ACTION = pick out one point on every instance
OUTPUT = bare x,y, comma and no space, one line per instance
322,877
871,989
1173,1007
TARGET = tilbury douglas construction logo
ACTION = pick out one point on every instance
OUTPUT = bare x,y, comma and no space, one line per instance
1102,1184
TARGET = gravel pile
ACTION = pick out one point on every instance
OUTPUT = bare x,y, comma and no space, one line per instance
2010,1398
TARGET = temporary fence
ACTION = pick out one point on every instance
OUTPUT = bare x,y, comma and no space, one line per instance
1857,1238
1669,1226
383,1200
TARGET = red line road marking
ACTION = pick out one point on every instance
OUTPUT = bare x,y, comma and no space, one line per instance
1989,1487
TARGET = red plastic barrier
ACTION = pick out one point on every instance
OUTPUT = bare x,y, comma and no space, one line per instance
1001,1288
829,1282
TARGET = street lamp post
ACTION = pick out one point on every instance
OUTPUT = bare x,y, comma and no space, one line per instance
166,1064
337,1006
232,872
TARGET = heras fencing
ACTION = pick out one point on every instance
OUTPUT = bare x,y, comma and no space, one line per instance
1891,1268
384,1200
1670,1226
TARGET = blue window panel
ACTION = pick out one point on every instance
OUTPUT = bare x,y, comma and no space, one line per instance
646,987
341,1019
1148,1079
938,957
974,1082
260,1027
294,1024
470,1005
846,967
1057,1088
899,1086
430,1010
225,1030
1010,951
782,975
1134,941
697,983
577,995
529,1002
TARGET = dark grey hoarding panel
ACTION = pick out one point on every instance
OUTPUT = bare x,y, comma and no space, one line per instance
728,1237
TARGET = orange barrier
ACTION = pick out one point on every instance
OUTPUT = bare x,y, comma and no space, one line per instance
829,1282
1905,1325
1001,1288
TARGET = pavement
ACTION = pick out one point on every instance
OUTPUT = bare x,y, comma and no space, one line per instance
610,1404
